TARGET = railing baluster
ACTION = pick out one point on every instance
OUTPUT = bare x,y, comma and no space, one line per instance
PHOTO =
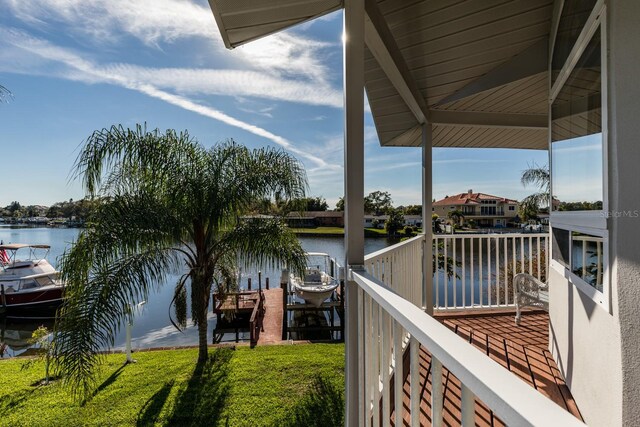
506,271
446,276
398,379
464,277
368,339
513,253
361,352
436,272
467,406
472,286
480,277
376,363
498,272
454,263
436,393
538,256
415,382
530,256
386,365
489,284
522,265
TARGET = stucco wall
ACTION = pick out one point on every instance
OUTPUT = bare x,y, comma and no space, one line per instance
598,348
624,188
585,342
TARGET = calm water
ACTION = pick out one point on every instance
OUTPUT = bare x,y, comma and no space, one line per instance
152,327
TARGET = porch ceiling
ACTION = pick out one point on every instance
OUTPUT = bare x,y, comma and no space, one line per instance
476,69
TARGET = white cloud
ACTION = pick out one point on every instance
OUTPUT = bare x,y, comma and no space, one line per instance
243,83
283,56
85,70
151,21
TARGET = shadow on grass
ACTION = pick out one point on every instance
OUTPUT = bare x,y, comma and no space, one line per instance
149,413
202,401
13,401
321,406
112,378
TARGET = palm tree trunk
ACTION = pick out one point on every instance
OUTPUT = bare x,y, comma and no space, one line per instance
203,350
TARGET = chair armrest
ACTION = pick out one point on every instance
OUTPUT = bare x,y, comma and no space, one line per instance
526,282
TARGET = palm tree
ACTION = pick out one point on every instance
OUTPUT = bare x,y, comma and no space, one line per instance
4,93
456,216
539,177
169,205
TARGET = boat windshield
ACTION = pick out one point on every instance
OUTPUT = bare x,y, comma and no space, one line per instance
13,253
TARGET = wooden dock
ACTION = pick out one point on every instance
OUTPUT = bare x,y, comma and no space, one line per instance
272,323
264,313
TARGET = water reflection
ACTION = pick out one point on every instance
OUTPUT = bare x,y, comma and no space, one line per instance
152,327
15,335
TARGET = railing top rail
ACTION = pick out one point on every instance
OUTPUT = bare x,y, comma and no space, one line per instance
488,235
512,399
393,247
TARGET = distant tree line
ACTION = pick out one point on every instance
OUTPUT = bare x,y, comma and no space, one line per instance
78,209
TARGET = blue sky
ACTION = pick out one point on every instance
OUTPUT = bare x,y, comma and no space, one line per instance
75,66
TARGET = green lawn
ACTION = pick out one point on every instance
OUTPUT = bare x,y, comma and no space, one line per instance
266,386
339,231
319,230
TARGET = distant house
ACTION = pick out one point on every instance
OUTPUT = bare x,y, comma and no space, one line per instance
485,209
315,219
370,220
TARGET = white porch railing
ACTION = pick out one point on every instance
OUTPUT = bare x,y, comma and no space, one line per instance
400,268
476,270
390,324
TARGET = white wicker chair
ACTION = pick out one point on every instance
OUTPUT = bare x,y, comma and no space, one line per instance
529,292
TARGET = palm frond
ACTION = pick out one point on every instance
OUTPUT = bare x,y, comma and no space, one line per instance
534,202
98,295
5,94
266,243
537,176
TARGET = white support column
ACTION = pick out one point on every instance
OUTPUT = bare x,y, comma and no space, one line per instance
427,203
354,190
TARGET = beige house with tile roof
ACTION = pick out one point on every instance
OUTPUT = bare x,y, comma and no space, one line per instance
485,209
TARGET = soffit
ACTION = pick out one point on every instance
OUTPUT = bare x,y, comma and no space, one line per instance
241,21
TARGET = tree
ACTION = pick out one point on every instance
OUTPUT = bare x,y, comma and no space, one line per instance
539,177
395,222
169,206
14,206
378,202
413,210
40,338
456,216
310,204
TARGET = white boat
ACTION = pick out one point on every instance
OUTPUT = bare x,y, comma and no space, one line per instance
317,284
29,286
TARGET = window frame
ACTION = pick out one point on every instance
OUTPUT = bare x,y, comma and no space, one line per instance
588,222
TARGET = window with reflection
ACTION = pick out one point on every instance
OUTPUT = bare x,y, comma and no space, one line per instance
572,19
560,249
587,258
576,136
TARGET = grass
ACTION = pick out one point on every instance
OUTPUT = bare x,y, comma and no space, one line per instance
339,231
319,230
284,385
